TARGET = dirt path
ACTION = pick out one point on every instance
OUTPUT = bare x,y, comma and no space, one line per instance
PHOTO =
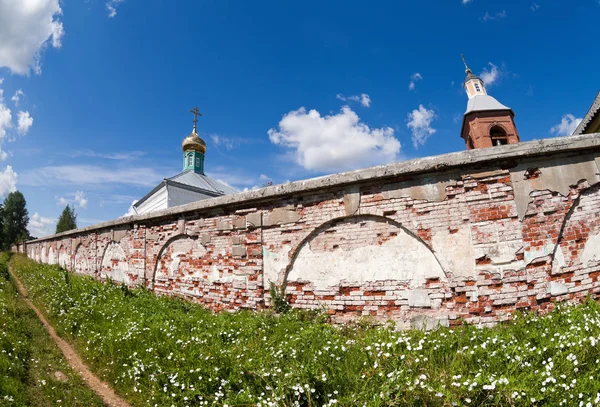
101,388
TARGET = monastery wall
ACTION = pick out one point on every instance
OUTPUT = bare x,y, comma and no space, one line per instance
472,235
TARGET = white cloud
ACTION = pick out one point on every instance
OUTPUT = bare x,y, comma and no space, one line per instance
131,211
413,79
334,143
8,181
364,99
264,177
24,122
40,226
491,75
26,29
231,178
111,156
79,199
466,1
419,121
17,97
229,143
111,6
90,175
5,118
3,155
497,16
534,6
567,125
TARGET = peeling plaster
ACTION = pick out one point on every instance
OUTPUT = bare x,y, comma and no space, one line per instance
591,250
282,215
81,262
114,255
274,264
402,258
51,256
63,257
455,251
351,200
556,174
429,189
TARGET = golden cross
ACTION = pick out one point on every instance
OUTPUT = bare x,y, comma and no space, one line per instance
196,113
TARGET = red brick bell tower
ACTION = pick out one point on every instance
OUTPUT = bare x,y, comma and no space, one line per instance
487,122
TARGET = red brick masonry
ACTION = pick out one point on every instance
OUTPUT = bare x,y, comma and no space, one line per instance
466,236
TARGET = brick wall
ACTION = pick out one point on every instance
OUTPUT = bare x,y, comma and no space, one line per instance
471,236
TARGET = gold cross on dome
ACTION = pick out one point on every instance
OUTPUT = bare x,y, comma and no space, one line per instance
196,113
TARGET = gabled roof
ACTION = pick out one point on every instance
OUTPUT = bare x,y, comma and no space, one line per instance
203,182
589,117
192,181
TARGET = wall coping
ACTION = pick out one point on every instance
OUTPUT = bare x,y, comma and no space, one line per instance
443,162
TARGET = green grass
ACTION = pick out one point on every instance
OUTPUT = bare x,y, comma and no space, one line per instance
29,359
160,351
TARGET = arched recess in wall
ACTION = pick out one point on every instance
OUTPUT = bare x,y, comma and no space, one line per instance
82,265
114,263
63,257
361,249
51,255
580,225
179,255
44,254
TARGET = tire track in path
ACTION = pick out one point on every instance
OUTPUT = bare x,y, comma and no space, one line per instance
102,389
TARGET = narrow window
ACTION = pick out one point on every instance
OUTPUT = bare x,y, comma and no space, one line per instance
190,161
498,136
477,88
197,161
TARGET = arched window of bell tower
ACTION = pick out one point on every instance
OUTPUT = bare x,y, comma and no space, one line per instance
498,136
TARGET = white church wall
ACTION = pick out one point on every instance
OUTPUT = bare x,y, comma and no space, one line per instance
154,203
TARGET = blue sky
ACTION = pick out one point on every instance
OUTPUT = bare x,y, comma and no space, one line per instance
95,94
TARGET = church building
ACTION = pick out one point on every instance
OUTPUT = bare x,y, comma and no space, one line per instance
591,120
191,185
487,122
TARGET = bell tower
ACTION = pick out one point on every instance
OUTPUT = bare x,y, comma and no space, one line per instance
487,122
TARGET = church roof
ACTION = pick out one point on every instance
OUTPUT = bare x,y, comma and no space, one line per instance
589,117
203,182
479,103
192,181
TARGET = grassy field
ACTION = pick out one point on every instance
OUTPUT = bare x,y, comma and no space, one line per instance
32,369
167,352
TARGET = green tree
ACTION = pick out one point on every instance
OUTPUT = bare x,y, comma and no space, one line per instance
1,226
67,220
15,219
